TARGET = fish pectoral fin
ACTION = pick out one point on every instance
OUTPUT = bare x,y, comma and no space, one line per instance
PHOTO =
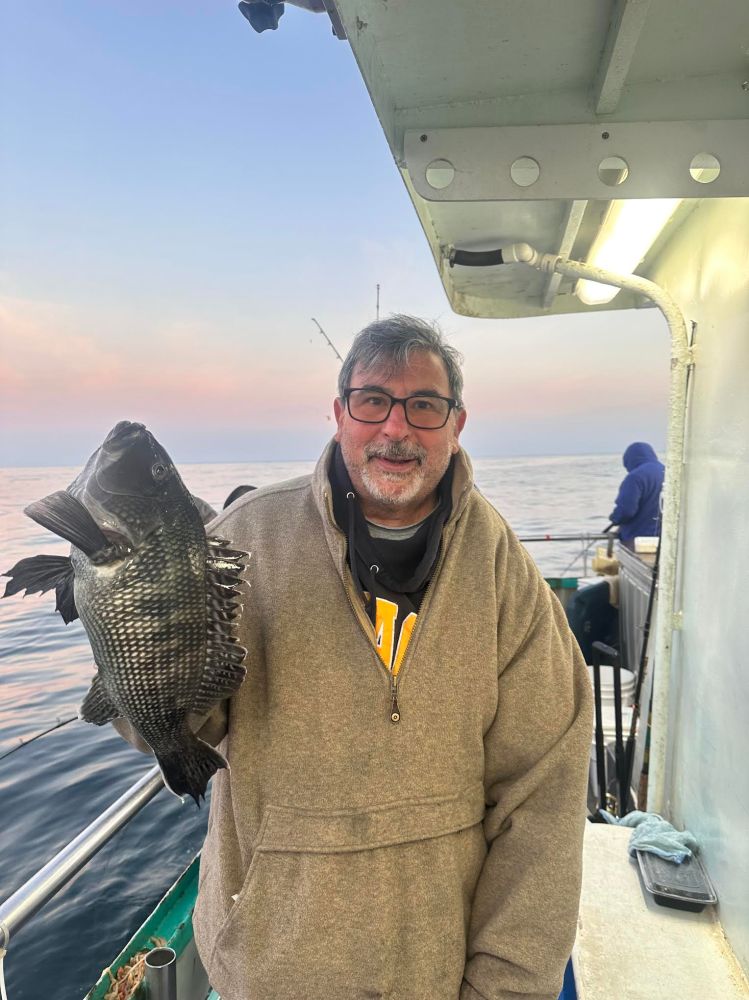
97,706
38,574
65,516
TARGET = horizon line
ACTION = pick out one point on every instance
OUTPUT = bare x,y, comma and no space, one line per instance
273,461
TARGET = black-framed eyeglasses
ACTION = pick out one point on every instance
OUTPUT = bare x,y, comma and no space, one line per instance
373,406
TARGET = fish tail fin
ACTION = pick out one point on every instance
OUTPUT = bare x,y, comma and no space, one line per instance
189,765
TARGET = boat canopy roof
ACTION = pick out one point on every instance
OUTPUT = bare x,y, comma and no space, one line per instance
522,122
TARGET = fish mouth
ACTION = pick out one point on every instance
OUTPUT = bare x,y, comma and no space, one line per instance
124,435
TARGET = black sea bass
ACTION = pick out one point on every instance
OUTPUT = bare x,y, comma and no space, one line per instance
157,597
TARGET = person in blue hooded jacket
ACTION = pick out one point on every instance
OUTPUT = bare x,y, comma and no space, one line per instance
637,510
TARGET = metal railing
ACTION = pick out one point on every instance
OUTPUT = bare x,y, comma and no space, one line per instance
586,541
41,887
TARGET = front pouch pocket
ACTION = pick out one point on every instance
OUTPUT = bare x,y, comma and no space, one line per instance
347,905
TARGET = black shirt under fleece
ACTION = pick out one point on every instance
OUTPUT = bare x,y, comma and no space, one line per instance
398,570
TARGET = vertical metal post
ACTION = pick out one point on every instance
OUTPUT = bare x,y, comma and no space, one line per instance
161,974
600,749
621,780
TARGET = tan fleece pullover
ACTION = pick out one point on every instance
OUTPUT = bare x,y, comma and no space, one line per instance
435,858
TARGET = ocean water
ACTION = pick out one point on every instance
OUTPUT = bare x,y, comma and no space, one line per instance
50,789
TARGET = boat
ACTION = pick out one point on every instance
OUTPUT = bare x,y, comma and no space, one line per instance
550,152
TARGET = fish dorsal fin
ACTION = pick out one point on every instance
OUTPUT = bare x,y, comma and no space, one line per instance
62,514
38,574
225,670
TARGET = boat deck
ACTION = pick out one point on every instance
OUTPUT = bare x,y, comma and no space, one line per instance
627,942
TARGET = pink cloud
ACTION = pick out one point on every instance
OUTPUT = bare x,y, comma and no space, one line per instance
53,372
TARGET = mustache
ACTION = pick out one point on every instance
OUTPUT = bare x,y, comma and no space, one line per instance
397,450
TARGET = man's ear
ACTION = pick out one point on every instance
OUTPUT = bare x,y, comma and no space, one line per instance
339,409
460,422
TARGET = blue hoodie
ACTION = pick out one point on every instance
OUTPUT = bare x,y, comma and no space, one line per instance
637,509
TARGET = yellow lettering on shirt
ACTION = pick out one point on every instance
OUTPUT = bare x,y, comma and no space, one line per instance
386,616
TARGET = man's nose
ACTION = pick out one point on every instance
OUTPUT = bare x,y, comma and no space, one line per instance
396,424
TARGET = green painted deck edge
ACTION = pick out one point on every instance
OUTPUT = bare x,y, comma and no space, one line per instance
172,919
562,582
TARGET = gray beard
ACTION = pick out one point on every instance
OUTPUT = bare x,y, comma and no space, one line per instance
396,451
405,496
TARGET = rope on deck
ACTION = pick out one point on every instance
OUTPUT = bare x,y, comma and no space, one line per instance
130,975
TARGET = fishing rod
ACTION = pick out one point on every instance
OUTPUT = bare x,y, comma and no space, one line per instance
328,339
24,743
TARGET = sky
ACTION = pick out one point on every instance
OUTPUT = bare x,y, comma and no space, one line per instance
179,196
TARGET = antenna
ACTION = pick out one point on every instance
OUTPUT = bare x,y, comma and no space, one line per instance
328,339
378,302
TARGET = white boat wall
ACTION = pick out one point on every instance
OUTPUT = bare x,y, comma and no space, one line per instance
547,124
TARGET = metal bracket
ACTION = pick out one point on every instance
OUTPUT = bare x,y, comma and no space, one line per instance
477,164
335,20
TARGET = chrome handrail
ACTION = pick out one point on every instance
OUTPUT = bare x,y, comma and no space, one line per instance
42,886
564,538
585,540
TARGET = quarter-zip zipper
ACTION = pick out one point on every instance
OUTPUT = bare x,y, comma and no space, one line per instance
395,712
366,623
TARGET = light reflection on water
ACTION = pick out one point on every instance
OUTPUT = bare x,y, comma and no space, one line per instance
50,789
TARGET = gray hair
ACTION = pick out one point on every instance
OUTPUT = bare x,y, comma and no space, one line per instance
391,341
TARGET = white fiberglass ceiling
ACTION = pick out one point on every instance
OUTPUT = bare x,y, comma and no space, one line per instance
676,70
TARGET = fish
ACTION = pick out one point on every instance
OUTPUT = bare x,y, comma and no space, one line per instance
159,599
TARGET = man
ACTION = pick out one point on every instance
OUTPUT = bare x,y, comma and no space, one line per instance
405,803
637,510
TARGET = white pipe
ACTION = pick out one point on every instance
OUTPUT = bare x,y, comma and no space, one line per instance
681,358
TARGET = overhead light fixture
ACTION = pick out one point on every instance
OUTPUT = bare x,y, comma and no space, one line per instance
628,231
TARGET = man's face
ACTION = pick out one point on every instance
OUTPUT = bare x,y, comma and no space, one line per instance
395,468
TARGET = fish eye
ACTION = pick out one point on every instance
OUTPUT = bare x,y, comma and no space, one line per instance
159,472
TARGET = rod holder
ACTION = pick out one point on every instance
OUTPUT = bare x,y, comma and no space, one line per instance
161,974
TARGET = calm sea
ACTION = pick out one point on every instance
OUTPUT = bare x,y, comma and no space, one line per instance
50,789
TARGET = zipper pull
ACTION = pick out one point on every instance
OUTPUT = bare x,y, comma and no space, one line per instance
395,712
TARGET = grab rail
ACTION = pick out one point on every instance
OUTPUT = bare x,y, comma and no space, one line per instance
565,538
585,541
41,887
